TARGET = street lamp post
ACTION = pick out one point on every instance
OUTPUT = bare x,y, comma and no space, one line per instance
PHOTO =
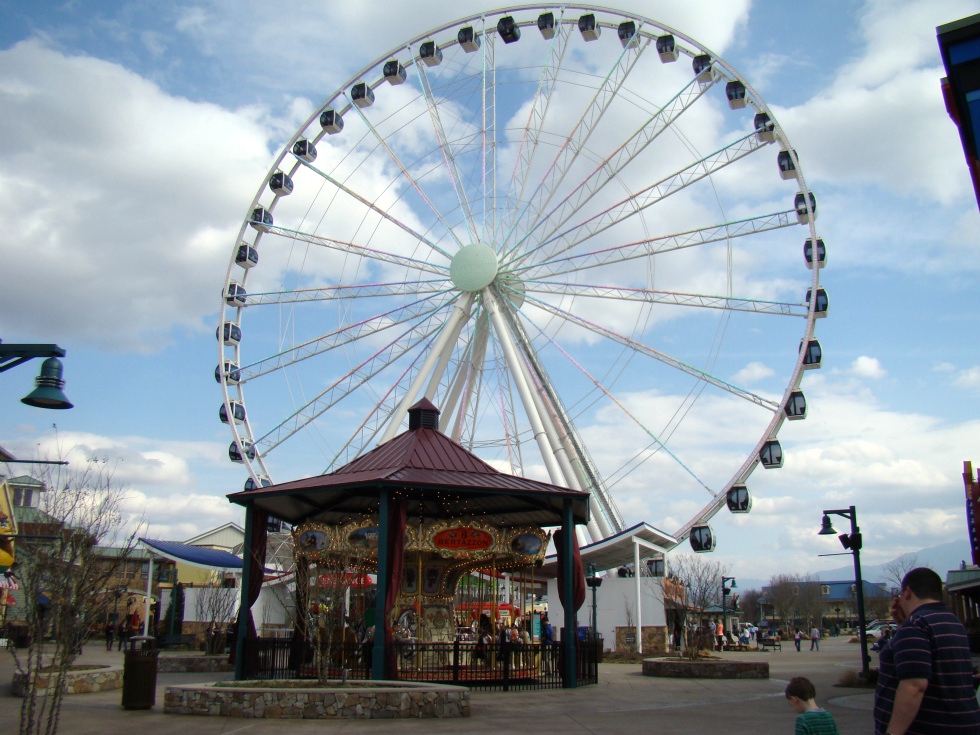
726,590
48,384
594,581
852,543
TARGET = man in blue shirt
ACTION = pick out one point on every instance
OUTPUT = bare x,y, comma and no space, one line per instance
925,683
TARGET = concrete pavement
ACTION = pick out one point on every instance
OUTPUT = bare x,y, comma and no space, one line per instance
623,703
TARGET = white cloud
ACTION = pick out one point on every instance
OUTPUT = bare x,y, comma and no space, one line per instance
969,378
867,367
752,373
120,202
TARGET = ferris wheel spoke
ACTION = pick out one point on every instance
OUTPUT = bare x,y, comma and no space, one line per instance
376,209
467,384
334,293
535,119
572,146
617,161
656,354
677,298
366,252
619,404
447,152
656,245
344,386
646,197
488,130
416,311
408,177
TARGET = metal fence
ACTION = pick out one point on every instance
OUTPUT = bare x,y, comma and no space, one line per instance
503,666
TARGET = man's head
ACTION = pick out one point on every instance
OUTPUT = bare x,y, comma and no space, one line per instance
919,586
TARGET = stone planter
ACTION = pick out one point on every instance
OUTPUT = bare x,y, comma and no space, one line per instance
81,681
193,663
683,669
294,699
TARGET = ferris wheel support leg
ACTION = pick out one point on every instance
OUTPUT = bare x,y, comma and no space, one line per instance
473,376
572,478
455,321
514,365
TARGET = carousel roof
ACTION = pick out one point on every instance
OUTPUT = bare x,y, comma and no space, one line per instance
440,477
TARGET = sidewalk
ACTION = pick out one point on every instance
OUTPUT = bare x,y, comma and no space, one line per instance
623,703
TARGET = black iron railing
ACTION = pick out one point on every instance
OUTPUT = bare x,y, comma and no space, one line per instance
502,665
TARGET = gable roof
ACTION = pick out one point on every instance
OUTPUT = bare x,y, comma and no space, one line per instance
441,478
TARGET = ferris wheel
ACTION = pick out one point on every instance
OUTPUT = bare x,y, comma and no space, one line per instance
576,231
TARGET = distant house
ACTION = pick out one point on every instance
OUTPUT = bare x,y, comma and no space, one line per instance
833,602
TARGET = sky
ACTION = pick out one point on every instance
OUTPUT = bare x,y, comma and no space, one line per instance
134,137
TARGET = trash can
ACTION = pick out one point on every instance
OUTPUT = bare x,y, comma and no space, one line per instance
140,673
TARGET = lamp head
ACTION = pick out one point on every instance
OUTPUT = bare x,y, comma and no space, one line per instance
827,529
48,393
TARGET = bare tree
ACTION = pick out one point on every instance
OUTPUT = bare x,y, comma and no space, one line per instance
809,600
66,582
782,594
701,579
749,605
894,571
215,604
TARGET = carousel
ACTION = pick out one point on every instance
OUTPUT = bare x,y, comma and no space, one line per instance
440,528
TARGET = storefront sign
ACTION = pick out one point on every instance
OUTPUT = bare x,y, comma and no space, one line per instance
469,539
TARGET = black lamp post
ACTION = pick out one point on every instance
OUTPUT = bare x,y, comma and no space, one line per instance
726,590
852,542
594,581
48,384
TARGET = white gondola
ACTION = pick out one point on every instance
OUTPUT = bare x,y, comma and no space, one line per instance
261,219
656,568
331,121
627,34
281,184
588,28
394,73
765,128
795,407
735,91
247,256
821,304
799,204
235,454
812,356
787,166
235,295
739,499
546,24
305,150
771,455
251,485
232,334
273,525
430,54
237,412
362,95
667,49
702,539
702,68
231,373
469,40
808,253
508,30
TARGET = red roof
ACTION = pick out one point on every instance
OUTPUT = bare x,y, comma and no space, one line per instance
443,477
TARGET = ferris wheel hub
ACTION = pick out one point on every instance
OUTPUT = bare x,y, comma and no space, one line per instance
474,267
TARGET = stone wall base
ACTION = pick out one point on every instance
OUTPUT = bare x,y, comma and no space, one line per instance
680,669
76,682
195,664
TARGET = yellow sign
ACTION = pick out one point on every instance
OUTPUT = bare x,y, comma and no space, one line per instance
8,527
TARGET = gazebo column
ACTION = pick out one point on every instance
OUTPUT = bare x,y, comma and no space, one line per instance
380,616
242,630
569,634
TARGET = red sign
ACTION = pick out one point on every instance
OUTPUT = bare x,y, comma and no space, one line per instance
470,539
333,579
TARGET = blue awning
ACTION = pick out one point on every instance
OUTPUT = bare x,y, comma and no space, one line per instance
196,556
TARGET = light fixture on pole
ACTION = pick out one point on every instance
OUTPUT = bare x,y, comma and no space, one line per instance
726,590
594,581
852,543
49,383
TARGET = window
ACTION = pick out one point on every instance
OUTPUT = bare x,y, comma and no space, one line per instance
825,589
24,497
796,589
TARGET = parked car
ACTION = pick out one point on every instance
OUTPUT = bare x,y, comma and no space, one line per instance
875,631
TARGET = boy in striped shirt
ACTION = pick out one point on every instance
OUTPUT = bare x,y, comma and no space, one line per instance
811,719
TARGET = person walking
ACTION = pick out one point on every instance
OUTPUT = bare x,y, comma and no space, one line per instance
123,633
798,638
815,639
110,633
925,681
720,634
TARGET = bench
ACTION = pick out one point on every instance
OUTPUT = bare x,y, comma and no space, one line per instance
772,643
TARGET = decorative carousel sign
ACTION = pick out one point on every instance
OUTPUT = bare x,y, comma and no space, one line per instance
463,538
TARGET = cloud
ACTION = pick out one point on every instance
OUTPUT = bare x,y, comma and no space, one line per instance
867,367
751,373
969,378
120,202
